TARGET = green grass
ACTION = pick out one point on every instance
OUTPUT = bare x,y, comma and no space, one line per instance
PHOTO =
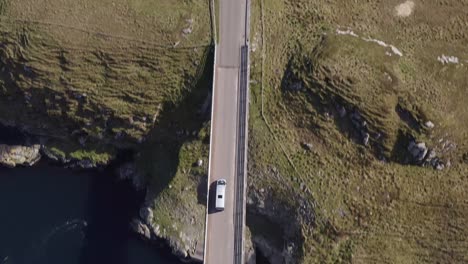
106,79
216,14
58,153
168,160
368,211
95,158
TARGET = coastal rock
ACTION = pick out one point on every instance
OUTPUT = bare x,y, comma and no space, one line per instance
140,228
128,171
53,156
11,156
147,215
85,164
272,253
250,256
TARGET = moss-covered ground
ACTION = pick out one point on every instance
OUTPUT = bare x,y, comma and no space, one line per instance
97,73
373,205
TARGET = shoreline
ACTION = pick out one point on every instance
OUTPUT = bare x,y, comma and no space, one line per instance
13,136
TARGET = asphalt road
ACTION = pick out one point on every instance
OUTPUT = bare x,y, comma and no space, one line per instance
224,237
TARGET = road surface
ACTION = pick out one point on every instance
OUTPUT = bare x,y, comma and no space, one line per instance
224,232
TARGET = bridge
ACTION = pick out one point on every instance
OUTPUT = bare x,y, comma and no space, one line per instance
224,230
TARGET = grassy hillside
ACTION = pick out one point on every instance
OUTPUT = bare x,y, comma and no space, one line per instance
92,77
99,72
339,91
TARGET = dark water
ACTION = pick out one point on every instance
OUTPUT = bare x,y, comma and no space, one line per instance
50,215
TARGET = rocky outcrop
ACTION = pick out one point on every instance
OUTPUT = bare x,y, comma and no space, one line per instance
143,225
11,156
361,126
418,151
128,171
261,202
273,254
140,228
424,156
53,156
250,256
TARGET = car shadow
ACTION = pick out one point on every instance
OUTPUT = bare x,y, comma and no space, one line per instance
212,198
202,191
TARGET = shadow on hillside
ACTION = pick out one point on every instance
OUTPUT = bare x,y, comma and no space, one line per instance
317,97
177,124
112,207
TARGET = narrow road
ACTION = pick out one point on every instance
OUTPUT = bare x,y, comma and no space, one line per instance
224,238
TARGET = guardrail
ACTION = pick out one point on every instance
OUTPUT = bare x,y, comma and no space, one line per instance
241,161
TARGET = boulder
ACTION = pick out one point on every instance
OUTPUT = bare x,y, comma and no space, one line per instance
429,124
187,31
85,164
11,156
54,156
140,228
128,171
418,150
366,139
147,215
308,146
341,111
199,163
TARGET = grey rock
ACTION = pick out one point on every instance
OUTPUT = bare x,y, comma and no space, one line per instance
341,111
156,230
206,105
119,135
366,139
187,31
429,124
308,146
85,164
82,140
27,97
440,166
46,152
13,155
448,164
418,150
297,86
147,215
199,163
128,171
302,187
140,228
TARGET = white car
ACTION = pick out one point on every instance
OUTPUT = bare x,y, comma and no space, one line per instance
220,193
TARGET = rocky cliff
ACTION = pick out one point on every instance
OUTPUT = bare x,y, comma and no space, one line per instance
11,156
